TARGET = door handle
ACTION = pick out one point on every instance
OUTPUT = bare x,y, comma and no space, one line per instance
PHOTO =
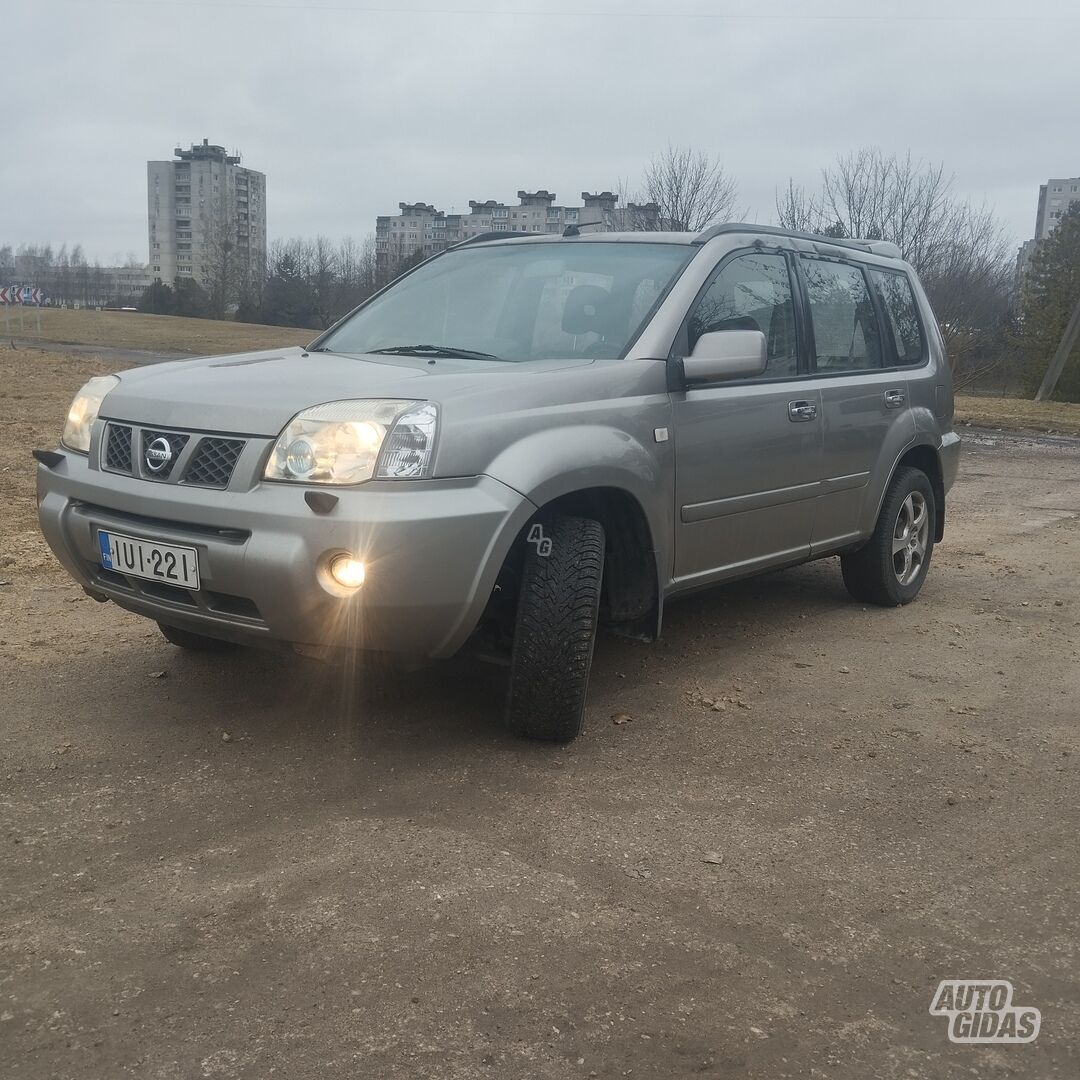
894,399
799,411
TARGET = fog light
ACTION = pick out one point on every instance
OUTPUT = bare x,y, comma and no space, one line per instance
347,571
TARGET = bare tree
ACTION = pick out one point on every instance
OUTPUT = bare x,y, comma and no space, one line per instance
960,250
222,272
968,275
887,197
356,271
799,211
689,188
324,279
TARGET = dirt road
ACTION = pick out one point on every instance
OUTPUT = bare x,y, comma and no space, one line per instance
227,867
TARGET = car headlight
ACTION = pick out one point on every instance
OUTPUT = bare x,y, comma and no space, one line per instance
84,411
347,442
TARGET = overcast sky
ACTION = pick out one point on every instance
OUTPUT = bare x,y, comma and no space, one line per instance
350,107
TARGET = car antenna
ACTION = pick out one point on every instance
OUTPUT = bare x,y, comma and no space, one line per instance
575,230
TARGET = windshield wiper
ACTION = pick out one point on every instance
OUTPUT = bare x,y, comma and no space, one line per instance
434,350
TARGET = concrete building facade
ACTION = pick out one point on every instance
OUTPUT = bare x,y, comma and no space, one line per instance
207,218
1055,199
421,230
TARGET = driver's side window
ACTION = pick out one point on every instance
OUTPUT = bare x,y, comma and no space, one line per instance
752,292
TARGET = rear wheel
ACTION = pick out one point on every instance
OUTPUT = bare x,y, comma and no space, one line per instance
555,629
185,639
892,567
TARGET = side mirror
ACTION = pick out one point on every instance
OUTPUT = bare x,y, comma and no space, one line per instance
727,354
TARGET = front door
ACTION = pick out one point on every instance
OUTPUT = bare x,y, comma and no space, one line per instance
747,453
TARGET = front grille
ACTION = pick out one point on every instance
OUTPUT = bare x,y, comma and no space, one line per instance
118,448
176,443
200,460
213,462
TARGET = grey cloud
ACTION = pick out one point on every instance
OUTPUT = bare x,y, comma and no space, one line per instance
349,113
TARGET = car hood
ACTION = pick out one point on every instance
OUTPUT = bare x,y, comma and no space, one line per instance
259,393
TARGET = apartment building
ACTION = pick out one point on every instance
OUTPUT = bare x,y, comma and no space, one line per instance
207,218
1055,198
420,230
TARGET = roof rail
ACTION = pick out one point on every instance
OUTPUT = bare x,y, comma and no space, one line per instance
484,237
874,247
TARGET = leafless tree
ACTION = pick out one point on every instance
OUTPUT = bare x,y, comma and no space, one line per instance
223,274
322,273
960,250
796,210
968,275
876,196
690,188
356,272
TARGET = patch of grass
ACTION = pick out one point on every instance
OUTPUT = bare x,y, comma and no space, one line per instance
132,330
1016,414
36,389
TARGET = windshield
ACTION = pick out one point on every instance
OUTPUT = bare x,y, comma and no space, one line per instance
518,302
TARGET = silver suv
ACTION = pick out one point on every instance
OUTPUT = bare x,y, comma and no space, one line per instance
520,440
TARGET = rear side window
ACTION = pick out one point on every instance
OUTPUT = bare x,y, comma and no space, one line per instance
902,312
846,333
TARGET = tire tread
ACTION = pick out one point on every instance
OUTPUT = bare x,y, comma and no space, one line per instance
555,631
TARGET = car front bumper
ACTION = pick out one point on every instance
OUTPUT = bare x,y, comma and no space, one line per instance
432,550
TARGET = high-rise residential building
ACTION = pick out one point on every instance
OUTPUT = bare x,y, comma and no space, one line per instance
207,217
421,230
1055,198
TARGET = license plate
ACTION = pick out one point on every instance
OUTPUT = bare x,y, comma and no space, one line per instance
149,559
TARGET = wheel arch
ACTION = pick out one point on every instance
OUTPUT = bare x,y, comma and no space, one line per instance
925,458
618,478
632,594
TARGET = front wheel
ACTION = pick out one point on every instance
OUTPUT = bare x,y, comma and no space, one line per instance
891,568
555,629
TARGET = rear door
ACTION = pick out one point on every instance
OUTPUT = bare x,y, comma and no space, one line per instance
747,452
866,416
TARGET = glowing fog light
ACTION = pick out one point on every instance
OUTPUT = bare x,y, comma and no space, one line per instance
347,572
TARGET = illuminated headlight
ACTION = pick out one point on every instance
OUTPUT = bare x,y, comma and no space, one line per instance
347,442
84,411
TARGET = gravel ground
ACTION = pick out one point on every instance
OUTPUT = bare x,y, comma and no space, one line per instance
243,866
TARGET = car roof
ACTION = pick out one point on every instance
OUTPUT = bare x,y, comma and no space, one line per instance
882,248
583,237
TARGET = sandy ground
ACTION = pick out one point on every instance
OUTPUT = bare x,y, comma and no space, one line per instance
239,866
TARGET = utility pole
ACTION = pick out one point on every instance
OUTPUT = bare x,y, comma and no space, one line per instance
1064,351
